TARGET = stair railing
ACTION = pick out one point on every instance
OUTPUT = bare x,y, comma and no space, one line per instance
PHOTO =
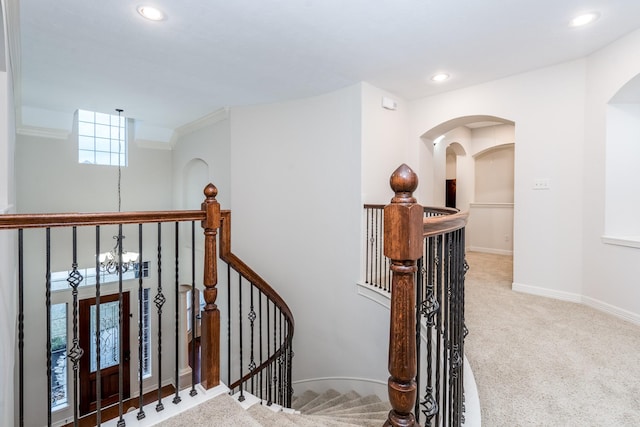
428,252
61,239
260,331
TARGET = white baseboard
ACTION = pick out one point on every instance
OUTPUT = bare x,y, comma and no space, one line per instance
580,299
490,250
362,386
546,292
613,310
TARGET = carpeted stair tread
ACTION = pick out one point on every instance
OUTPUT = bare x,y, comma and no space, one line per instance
215,412
347,406
332,403
267,417
319,400
303,399
362,409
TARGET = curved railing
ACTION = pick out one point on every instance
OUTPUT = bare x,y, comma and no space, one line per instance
427,266
264,328
259,329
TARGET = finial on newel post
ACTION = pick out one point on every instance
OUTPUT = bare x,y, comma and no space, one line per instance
403,241
210,320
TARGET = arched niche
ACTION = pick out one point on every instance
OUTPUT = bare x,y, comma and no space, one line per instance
622,200
195,178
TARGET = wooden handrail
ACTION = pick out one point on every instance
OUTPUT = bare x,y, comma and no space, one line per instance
44,220
444,224
427,209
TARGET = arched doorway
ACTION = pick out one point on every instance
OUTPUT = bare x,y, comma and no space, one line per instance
478,152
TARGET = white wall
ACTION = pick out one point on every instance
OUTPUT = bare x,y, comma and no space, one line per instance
8,294
295,174
384,143
49,179
610,272
210,143
547,107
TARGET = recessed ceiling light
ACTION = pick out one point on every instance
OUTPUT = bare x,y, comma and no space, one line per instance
440,77
151,13
584,19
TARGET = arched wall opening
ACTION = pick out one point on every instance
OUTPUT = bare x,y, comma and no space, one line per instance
622,200
481,148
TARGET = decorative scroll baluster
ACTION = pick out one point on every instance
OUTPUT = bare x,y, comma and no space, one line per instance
194,305
210,331
159,301
403,246
429,308
252,318
177,399
74,279
141,413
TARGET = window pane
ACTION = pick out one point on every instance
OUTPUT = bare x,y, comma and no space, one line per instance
103,144
104,119
85,129
102,131
85,116
85,143
109,336
58,355
87,157
103,158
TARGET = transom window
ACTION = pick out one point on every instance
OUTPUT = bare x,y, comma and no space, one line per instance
102,139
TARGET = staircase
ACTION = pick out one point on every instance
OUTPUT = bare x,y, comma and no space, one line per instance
310,409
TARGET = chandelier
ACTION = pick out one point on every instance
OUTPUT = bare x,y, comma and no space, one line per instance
117,259
110,261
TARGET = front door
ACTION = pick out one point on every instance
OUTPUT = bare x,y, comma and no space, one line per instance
111,338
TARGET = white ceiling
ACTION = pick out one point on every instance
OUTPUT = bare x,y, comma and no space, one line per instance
101,55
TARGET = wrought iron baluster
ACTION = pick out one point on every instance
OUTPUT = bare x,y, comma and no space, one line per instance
121,315
74,279
48,323
177,399
269,397
194,305
252,318
98,343
273,363
429,310
21,327
241,397
229,325
159,301
440,357
261,382
141,413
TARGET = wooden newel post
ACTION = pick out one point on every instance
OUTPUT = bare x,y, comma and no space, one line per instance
403,230
210,322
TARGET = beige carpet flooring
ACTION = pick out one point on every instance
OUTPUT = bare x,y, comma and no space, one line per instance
542,362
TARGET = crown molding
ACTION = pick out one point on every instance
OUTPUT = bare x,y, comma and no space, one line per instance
154,145
204,121
42,132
